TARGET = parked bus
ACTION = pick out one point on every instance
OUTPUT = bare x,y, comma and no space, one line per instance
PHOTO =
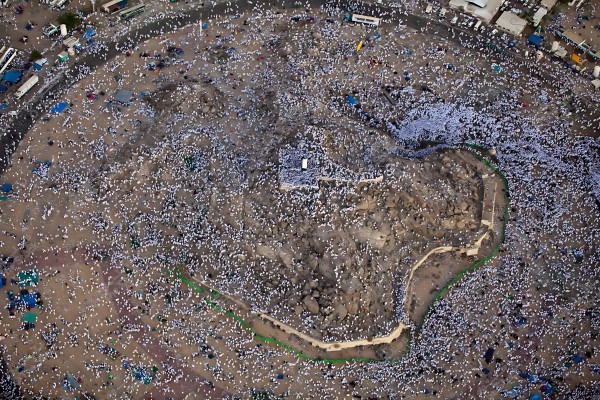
7,58
113,6
26,86
132,11
365,19
58,3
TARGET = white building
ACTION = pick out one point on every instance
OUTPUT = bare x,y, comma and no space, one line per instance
481,9
511,23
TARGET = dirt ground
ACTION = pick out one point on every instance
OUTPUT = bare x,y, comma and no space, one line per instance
132,190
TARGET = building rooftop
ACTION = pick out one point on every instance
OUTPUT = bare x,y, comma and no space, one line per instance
481,9
511,23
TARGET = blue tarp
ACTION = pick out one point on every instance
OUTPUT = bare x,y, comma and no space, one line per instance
351,100
3,106
60,107
12,76
25,300
3,88
89,33
37,67
535,40
6,188
2,281
143,375
30,300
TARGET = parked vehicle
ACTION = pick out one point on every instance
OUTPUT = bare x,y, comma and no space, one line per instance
26,86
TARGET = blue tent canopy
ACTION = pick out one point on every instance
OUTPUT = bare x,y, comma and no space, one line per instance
143,375
60,107
6,188
3,106
89,33
12,76
351,100
535,39
30,300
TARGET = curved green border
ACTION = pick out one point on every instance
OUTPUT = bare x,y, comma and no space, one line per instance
444,290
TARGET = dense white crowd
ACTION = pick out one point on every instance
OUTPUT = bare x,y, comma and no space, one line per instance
528,303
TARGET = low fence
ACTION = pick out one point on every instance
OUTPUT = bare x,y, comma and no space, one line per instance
472,150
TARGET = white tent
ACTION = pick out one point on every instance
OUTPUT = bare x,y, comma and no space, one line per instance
539,14
596,83
511,23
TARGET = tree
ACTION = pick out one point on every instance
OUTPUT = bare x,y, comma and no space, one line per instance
36,54
71,20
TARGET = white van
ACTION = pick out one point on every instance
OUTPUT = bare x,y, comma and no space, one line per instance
429,9
442,12
477,25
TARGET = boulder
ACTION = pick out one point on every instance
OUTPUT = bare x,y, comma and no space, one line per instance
326,269
341,311
311,304
353,308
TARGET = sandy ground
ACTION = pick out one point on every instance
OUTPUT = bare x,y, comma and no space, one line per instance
54,218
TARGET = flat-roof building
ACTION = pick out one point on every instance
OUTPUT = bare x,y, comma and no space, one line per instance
480,9
511,23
